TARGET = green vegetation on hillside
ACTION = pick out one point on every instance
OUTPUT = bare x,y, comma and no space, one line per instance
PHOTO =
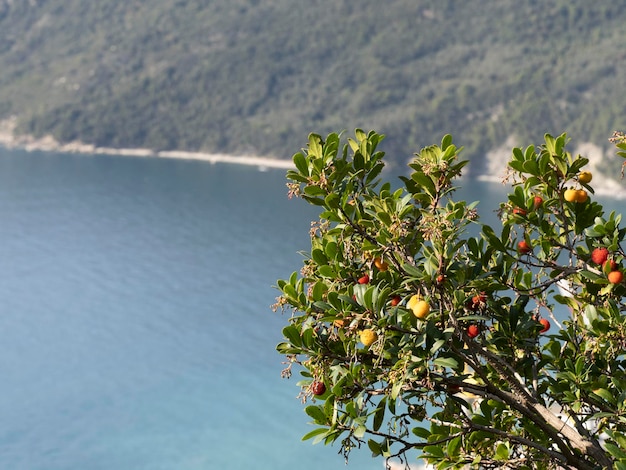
250,76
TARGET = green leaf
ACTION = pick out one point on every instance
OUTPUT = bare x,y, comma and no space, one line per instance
326,271
333,200
434,451
374,447
292,333
438,344
360,431
502,452
314,191
614,450
359,161
453,446
424,182
317,413
384,217
446,362
315,432
301,164
379,414
331,250
550,144
605,394
319,257
315,146
421,432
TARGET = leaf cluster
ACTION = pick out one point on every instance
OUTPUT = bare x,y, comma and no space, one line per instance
474,379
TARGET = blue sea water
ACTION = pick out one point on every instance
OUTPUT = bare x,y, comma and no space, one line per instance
135,327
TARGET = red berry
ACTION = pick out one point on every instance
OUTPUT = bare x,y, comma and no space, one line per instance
318,388
599,255
523,247
519,211
616,277
612,265
364,279
546,325
395,300
473,331
537,202
478,301
441,278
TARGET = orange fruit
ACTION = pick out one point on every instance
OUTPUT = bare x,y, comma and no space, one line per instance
581,195
615,277
546,325
381,264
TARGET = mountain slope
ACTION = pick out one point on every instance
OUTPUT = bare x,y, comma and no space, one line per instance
255,76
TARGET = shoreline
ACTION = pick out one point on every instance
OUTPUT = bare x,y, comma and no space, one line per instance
10,141
610,188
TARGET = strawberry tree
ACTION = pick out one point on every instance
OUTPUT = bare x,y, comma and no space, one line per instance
438,337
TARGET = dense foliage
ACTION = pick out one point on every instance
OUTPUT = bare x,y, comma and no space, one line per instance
251,75
499,349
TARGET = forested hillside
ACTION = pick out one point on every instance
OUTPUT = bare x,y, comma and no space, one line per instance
256,76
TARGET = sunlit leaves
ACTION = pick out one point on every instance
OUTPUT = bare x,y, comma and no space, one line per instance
475,367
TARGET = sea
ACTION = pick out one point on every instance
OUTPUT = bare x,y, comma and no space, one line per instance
135,324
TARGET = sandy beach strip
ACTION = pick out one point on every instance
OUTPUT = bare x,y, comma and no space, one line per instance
261,162
9,140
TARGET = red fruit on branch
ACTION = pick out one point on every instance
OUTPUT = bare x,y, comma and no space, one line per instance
519,211
473,331
546,325
537,202
395,300
599,255
318,388
523,247
365,279
478,302
612,265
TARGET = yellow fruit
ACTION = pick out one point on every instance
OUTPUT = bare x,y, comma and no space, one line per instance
421,309
584,177
581,195
412,301
380,264
341,322
368,337
570,195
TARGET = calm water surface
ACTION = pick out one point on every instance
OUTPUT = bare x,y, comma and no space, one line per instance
135,330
